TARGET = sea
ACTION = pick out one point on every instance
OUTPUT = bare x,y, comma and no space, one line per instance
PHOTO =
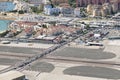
5,7
4,25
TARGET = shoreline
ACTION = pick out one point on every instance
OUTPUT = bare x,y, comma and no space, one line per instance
1,32
6,18
6,0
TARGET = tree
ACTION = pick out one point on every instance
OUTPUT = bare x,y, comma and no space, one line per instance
14,11
35,9
44,26
87,26
21,12
41,6
72,3
26,0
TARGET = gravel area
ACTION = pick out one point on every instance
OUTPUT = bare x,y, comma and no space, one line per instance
95,54
92,71
5,61
42,67
20,50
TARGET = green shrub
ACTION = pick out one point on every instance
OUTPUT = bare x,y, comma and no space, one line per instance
21,12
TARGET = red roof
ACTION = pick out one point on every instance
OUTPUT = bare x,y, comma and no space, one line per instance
26,23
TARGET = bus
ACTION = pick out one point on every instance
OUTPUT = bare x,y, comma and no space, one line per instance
93,44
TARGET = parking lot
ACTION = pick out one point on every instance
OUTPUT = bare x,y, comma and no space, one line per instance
81,53
93,71
19,50
42,67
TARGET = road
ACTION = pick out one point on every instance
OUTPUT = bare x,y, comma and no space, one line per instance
20,66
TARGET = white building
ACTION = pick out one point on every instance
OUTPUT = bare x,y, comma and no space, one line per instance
36,1
52,11
67,11
46,7
77,12
48,10
22,6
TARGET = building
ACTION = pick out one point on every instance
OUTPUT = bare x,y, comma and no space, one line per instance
12,75
101,10
84,3
47,9
115,5
89,8
36,1
22,6
57,2
100,2
52,11
66,10
77,12
96,12
108,7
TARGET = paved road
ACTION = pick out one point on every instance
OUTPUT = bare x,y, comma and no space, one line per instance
20,66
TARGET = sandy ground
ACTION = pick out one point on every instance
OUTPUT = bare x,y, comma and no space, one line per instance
29,45
46,76
114,47
3,67
75,45
114,42
57,73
